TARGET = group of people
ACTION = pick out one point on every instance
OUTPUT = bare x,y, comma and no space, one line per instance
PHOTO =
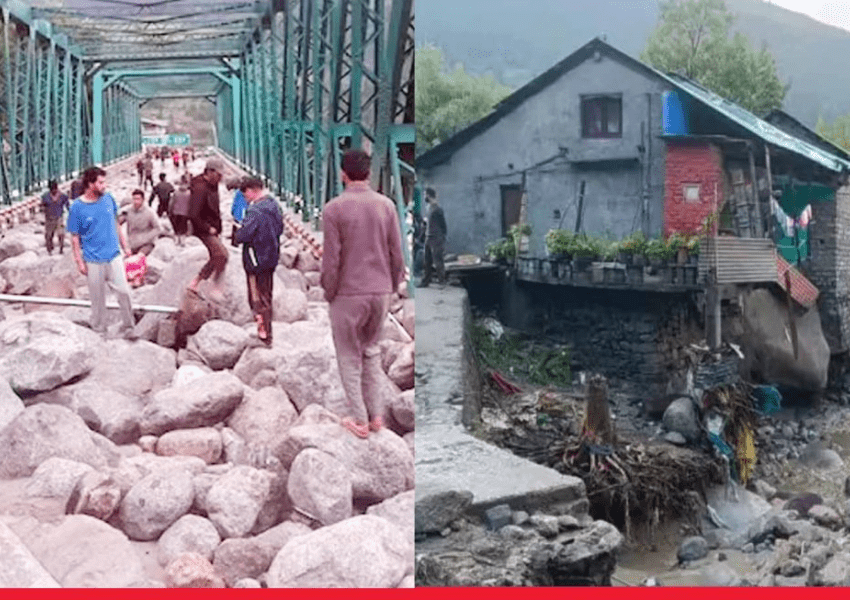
362,264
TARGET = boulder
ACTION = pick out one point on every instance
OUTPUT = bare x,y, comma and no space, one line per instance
186,374
134,368
239,558
434,512
204,402
292,279
313,279
219,344
681,417
836,572
320,486
307,262
403,411
19,568
278,536
590,558
278,505
692,548
305,367
410,438
826,516
42,432
407,316
97,495
289,305
381,466
361,552
156,502
316,295
235,499
398,510
15,242
204,442
164,249
263,416
767,346
81,551
190,533
42,351
816,456
24,272
288,256
401,370
191,570
11,404
56,478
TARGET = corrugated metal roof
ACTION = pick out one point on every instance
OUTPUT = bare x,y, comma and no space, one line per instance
756,126
739,260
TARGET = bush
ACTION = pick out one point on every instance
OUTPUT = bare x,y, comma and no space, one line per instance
559,242
634,244
503,249
587,247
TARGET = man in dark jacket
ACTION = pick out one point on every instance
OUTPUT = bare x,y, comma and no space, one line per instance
162,190
435,240
55,205
205,216
260,237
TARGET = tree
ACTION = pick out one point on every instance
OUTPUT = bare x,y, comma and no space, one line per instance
446,102
837,132
693,39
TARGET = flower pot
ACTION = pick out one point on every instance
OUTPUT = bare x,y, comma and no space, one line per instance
582,263
634,275
639,260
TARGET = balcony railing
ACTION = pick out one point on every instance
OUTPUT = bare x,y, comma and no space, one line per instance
667,277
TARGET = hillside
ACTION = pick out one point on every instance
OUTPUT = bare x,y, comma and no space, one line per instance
185,115
524,37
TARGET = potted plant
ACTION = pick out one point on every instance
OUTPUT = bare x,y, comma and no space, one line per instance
559,244
655,252
676,245
633,248
693,249
502,251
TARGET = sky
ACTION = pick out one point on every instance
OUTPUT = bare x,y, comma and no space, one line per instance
831,12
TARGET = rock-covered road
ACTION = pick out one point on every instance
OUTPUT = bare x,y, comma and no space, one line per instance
221,463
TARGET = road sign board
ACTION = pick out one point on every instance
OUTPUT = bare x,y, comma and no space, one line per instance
172,139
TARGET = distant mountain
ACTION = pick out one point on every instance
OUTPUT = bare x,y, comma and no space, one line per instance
515,40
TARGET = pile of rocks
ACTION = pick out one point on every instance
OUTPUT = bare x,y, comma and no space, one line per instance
511,548
226,454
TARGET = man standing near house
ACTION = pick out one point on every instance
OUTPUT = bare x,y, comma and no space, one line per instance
163,191
435,240
54,203
205,216
97,240
259,235
362,266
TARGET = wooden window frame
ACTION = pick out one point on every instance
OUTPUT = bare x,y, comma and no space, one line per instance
605,101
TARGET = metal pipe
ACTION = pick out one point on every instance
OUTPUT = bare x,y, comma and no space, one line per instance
83,303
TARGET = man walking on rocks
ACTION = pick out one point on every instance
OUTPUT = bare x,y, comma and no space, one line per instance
260,238
362,267
148,170
142,225
55,203
205,216
163,191
97,240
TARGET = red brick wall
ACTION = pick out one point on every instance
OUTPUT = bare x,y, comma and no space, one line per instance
691,162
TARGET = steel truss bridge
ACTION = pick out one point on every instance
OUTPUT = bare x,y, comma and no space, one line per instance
294,83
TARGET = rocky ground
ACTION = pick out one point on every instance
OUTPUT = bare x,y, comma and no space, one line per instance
221,463
789,527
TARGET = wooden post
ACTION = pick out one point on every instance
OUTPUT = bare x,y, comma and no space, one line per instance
771,220
757,226
598,426
580,205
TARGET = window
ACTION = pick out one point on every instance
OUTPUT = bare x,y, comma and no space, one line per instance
601,116
690,192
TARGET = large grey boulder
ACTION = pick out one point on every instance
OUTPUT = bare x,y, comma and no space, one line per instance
238,558
278,536
767,343
24,272
81,551
681,417
56,478
263,416
291,279
204,402
133,368
15,242
234,501
203,442
589,559
289,305
42,432
381,466
305,366
191,570
401,370
403,411
19,568
190,533
320,486
219,344
434,512
97,495
42,351
11,404
399,510
361,552
156,502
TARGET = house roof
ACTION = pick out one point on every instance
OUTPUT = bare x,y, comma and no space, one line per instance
156,122
743,118
777,116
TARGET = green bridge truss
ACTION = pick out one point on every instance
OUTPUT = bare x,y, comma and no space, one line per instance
294,83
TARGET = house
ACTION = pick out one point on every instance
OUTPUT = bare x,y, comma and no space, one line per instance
605,144
153,127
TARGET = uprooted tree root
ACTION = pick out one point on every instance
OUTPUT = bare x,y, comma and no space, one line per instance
640,483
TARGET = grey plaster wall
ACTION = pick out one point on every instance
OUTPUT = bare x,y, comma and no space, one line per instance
468,184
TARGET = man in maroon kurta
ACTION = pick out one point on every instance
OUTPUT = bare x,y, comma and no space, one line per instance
362,267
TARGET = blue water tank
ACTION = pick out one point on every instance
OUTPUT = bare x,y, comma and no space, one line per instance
674,119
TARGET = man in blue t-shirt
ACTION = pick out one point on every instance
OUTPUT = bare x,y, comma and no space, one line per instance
97,241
